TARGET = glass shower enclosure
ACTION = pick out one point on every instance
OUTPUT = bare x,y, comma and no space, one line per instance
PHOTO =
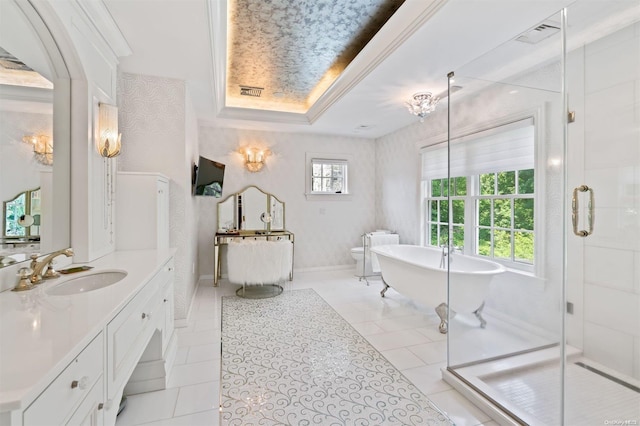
544,179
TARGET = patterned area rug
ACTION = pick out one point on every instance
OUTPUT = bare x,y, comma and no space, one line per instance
293,360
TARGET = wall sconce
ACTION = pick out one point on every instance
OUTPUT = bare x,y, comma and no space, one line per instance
42,148
108,143
254,158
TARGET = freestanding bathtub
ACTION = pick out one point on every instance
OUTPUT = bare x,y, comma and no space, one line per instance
420,273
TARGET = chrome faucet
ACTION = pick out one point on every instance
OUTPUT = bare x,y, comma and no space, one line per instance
448,250
37,267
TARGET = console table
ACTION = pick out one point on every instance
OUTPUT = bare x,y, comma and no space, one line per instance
223,238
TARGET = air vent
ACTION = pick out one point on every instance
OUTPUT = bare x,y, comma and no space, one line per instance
365,127
251,91
539,33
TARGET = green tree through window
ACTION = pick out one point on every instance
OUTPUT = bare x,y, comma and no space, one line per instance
503,214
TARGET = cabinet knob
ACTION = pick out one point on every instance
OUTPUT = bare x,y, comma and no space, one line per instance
165,300
100,406
80,384
146,316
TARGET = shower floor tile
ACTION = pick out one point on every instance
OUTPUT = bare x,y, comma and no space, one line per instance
590,398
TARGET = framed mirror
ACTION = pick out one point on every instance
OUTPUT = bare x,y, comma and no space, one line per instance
21,216
35,161
251,209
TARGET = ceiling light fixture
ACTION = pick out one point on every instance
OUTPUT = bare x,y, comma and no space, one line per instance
421,104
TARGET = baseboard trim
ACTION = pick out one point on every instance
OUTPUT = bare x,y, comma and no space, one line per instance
184,322
323,268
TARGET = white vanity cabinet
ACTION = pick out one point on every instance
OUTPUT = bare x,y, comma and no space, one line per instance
169,318
129,334
56,404
131,345
90,412
142,211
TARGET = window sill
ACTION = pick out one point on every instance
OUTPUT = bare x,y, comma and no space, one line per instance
327,197
539,282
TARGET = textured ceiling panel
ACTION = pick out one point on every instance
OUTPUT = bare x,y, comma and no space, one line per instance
14,72
295,49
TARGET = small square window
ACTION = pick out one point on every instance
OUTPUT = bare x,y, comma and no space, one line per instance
329,176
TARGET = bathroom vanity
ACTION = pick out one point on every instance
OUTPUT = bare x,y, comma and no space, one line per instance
250,214
68,359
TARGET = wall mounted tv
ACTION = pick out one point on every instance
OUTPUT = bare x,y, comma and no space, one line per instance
208,177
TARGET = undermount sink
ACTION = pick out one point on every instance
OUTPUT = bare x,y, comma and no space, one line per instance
93,281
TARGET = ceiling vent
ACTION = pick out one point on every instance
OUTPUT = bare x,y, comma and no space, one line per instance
251,91
539,33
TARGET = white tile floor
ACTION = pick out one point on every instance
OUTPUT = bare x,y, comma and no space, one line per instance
404,333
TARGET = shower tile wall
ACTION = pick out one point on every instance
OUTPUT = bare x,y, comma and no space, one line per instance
611,121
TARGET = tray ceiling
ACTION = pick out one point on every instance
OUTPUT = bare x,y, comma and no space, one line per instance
282,55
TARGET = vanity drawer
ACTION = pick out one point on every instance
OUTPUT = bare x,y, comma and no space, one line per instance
62,396
129,332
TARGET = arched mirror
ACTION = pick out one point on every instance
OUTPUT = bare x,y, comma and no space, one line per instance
251,209
34,137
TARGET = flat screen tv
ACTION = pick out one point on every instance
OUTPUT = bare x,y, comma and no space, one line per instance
208,178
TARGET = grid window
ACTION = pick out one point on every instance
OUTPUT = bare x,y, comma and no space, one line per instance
500,221
505,216
439,214
328,176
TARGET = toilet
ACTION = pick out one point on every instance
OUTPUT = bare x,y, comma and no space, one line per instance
358,255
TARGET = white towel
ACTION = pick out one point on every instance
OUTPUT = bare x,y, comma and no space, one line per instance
384,239
380,240
259,262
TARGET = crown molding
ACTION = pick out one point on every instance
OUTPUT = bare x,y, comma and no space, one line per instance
102,22
26,99
217,15
263,115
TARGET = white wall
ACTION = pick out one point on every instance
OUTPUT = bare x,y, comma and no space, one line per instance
325,230
19,169
398,181
159,132
604,143
190,233
93,67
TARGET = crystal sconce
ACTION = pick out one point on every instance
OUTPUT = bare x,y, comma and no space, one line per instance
254,158
42,148
108,143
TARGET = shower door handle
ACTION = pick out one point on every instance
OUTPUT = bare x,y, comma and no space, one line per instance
575,215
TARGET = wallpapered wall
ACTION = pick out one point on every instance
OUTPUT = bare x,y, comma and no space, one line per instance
159,134
325,230
398,181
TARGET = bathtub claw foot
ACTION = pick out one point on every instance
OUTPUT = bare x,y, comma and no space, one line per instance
478,313
384,290
442,311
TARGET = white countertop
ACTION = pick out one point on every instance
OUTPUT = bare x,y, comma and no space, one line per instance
41,334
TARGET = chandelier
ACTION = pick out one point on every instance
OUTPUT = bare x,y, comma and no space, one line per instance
421,104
